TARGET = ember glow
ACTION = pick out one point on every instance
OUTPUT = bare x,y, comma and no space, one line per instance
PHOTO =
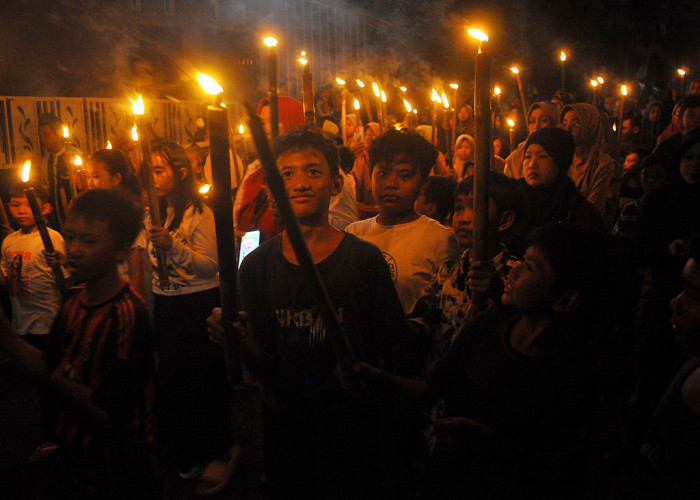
209,84
137,107
270,41
26,169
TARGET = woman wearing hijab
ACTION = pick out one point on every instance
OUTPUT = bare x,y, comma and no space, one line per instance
652,124
541,114
592,170
551,194
362,172
674,126
463,162
465,120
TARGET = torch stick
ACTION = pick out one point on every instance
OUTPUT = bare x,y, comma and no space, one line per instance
61,214
454,118
341,345
482,146
307,85
4,221
45,238
522,98
225,239
368,108
144,134
272,79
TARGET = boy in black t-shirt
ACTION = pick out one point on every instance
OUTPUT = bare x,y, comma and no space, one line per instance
320,440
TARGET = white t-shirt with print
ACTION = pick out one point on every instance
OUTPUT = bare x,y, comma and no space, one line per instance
33,290
414,251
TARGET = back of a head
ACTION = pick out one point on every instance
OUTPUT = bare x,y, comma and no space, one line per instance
440,190
299,140
407,147
505,191
124,217
50,120
582,260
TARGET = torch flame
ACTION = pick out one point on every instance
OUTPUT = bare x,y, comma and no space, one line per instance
614,127
375,87
511,123
497,90
303,53
360,83
134,133
515,70
623,89
479,35
205,188
77,161
454,86
681,72
600,80
209,84
562,56
137,106
403,89
109,145
270,41
594,83
409,108
444,101
356,104
415,111
303,61
383,96
340,81
26,168
65,132
241,129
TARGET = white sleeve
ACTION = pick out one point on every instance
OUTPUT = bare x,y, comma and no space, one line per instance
198,258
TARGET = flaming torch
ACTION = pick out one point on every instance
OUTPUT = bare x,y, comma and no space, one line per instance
436,100
681,73
562,58
368,108
382,95
482,153
380,115
516,71
217,116
343,109
623,92
272,79
307,86
511,129
142,133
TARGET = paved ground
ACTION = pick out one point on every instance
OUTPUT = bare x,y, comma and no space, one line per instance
20,434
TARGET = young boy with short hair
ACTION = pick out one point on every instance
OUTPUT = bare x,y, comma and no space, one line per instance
100,357
414,246
446,303
436,199
321,441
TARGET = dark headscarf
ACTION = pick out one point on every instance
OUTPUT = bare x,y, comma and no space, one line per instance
651,130
558,143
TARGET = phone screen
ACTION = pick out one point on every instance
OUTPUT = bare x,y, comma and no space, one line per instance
249,242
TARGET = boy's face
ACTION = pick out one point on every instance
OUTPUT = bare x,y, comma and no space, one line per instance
91,251
50,139
463,219
21,212
396,186
690,165
309,183
530,286
686,306
631,161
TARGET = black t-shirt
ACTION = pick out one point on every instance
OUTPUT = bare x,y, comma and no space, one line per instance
299,368
540,406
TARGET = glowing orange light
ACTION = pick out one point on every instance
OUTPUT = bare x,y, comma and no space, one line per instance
594,83
205,189
356,104
270,41
600,80
445,103
360,83
26,169
623,90
375,87
681,72
209,84
403,89
409,108
562,56
454,86
340,81
137,106
241,129
479,35
511,123
77,161
497,90
515,70
383,96
65,132
134,133
109,145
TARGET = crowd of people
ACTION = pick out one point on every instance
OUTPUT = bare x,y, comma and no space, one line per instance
445,375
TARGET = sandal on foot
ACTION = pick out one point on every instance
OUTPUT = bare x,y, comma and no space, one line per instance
218,472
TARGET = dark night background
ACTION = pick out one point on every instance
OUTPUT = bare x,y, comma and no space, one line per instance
91,48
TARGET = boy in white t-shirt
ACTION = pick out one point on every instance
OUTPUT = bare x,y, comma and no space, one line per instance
34,293
413,245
